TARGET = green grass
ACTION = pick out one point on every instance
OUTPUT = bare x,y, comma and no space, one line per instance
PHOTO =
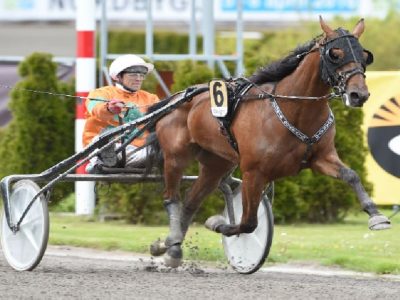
350,244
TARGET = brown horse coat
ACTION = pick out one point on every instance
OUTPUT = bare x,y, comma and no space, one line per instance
267,150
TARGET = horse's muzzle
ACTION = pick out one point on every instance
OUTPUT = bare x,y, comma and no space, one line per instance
355,98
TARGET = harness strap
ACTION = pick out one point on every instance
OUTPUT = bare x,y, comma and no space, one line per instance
224,128
240,95
243,86
309,141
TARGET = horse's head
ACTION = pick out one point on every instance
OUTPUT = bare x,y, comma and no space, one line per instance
343,63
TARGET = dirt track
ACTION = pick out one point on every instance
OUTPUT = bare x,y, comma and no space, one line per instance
63,276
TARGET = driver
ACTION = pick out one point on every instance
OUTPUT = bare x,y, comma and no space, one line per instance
125,102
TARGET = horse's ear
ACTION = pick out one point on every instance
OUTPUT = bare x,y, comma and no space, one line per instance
359,29
328,31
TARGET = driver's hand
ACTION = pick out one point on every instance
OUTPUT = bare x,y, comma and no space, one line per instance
115,106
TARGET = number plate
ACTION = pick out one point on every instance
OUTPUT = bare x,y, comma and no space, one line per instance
219,98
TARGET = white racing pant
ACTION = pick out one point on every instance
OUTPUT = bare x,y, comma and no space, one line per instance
133,158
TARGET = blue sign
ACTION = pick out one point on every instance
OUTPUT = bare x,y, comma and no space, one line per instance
293,6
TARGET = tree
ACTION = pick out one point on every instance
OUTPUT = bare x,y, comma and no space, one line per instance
41,132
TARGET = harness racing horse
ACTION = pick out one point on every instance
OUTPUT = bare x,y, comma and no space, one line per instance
283,124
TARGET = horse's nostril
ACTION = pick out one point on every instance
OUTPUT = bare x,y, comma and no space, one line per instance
358,98
355,97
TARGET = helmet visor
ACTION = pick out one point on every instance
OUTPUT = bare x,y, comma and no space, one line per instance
136,69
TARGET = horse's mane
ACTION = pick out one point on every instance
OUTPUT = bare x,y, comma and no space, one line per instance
279,69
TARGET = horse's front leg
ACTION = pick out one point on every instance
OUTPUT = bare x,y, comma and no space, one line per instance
332,166
252,187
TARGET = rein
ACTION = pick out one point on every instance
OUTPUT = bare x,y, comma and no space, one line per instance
267,95
47,93
63,95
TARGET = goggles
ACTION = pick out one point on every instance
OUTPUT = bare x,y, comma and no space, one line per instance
135,75
136,69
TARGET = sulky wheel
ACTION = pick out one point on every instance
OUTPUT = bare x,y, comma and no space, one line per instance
247,252
24,249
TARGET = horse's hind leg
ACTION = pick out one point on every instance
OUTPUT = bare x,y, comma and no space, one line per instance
174,240
335,168
173,171
173,174
212,169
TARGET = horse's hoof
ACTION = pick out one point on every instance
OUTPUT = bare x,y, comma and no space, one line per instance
158,248
214,222
173,257
379,222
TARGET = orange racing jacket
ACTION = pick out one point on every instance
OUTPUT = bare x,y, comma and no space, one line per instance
99,119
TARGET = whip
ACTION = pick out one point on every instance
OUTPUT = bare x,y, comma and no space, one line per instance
61,95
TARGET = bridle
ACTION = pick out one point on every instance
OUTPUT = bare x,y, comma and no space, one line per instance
336,80
353,52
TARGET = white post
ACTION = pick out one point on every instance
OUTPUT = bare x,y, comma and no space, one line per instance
239,39
149,31
85,76
103,41
208,31
193,29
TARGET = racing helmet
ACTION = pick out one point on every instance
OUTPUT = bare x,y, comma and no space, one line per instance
126,61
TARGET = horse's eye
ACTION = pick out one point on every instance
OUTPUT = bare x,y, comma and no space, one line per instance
334,54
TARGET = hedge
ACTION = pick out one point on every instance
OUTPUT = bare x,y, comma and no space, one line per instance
41,132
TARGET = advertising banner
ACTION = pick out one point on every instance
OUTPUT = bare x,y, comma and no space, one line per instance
179,10
382,130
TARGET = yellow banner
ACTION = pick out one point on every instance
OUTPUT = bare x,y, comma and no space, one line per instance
382,132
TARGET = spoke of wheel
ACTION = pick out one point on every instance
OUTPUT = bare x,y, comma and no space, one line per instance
30,221
17,213
257,240
30,237
21,200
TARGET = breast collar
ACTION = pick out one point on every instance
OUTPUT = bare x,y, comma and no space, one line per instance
309,141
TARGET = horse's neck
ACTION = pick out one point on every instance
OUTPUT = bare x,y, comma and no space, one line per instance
305,81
